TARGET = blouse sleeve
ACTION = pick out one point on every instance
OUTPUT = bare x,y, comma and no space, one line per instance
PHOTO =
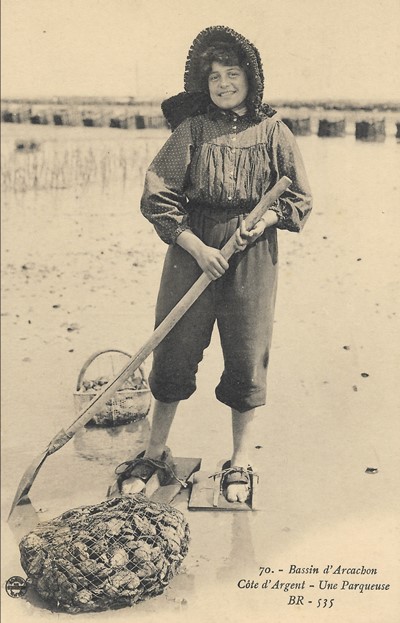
295,204
163,201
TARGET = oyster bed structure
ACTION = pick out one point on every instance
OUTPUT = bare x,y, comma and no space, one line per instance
105,556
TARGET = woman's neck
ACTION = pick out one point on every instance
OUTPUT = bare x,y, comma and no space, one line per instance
240,110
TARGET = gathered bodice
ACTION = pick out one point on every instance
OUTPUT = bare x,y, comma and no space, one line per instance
224,161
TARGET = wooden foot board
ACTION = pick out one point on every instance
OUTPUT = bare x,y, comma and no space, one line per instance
183,468
206,494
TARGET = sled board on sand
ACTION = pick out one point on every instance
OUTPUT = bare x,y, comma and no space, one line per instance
183,468
206,493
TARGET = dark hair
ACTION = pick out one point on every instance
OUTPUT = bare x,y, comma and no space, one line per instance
226,54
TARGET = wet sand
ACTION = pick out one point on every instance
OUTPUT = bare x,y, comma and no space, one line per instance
81,272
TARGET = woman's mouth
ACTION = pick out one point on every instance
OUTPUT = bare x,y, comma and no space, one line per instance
226,93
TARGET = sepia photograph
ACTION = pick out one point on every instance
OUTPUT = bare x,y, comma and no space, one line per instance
200,268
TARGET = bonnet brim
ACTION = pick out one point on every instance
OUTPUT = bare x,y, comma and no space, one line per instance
194,101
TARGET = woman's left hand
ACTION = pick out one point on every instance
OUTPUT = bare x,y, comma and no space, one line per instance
245,236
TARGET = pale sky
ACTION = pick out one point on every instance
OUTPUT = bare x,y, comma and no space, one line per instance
310,48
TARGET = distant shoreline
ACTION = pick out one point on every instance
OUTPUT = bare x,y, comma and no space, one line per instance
334,104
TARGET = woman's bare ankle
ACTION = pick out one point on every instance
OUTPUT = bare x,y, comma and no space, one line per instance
154,452
240,460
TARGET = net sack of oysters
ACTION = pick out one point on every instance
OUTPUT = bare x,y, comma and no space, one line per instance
129,404
105,556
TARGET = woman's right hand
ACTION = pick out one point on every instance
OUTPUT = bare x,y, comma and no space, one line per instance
211,262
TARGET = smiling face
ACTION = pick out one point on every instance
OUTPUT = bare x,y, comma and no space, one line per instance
228,87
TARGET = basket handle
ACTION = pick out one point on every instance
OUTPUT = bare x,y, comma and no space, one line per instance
97,354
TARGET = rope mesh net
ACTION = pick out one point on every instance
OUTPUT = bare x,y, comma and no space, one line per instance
107,555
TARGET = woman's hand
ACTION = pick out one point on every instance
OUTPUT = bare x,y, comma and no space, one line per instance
210,260
245,236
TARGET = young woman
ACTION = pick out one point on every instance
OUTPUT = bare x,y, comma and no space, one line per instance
226,151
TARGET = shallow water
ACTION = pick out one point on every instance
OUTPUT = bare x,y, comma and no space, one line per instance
80,273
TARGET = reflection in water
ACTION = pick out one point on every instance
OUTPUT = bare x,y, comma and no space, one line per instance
108,446
241,556
23,519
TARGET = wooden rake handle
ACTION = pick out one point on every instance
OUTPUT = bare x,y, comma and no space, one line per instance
167,324
135,362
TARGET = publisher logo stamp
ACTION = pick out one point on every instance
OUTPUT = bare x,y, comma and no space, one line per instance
16,586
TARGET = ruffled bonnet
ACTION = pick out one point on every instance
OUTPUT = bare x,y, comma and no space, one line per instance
194,100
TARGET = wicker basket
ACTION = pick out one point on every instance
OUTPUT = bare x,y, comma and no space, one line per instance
127,404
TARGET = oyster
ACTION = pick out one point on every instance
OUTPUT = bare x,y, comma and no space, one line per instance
125,579
119,558
114,526
83,597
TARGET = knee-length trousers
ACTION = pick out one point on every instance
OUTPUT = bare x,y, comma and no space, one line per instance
242,303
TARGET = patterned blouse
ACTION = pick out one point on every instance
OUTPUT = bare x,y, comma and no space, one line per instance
224,161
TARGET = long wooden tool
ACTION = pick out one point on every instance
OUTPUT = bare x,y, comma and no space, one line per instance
157,336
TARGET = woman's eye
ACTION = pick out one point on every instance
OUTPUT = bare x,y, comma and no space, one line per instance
213,78
233,74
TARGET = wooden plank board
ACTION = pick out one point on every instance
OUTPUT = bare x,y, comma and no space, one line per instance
184,468
203,495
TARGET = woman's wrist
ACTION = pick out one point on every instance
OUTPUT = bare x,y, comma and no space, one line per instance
190,242
270,218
